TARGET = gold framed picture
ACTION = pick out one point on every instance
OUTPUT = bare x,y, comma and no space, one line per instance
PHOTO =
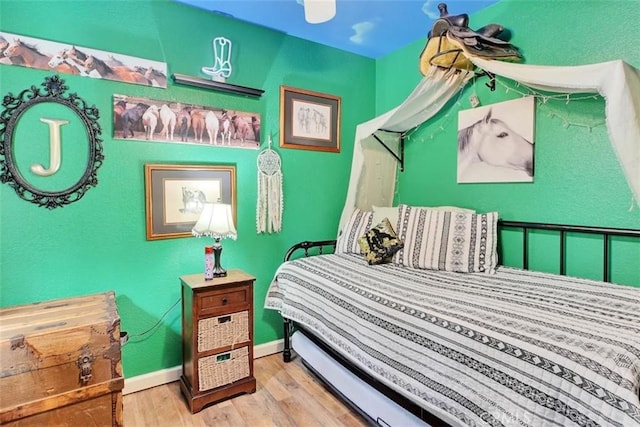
176,194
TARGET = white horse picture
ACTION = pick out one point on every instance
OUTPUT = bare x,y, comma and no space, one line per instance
495,143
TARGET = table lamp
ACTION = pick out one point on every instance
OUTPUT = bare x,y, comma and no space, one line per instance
216,220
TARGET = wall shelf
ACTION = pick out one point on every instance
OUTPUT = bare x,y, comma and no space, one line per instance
183,79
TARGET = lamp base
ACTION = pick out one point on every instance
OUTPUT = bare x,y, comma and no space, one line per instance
219,272
216,270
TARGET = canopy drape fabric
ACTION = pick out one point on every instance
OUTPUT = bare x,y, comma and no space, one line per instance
373,169
617,82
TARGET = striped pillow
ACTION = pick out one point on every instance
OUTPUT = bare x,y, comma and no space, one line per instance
447,240
359,223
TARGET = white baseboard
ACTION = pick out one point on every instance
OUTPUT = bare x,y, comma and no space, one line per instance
268,348
169,375
152,379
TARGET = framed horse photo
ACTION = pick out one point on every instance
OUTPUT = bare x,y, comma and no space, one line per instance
495,142
309,120
175,196
154,120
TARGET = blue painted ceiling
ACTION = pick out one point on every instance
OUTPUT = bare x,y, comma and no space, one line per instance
372,28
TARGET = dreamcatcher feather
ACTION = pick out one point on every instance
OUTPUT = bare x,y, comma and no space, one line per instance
270,197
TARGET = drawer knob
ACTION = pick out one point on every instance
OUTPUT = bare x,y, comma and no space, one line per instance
225,301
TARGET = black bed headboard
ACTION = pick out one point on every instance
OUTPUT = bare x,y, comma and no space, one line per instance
562,230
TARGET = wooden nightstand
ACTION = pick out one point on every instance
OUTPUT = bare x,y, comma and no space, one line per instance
217,338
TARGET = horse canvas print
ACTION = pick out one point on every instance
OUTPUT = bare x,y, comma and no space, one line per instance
154,120
72,59
495,142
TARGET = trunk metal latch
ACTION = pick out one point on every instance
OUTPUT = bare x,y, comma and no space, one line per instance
84,364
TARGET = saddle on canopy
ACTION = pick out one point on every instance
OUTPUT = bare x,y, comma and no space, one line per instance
451,42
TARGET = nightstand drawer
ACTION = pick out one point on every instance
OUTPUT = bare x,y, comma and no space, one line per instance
218,300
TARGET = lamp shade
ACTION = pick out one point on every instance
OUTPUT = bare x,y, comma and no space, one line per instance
319,11
216,220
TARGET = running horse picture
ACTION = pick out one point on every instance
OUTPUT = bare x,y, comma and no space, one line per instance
495,143
63,58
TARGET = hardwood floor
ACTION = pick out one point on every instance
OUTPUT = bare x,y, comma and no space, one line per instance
287,395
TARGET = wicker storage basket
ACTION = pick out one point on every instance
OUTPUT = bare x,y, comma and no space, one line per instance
223,368
221,331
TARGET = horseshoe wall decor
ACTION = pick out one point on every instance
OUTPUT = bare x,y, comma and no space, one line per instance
10,173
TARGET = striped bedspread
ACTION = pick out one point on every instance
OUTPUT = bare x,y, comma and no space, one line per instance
518,348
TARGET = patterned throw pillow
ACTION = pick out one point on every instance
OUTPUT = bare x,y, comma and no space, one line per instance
359,223
448,240
380,212
380,243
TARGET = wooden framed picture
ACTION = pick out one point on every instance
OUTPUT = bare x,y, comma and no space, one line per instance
309,120
176,194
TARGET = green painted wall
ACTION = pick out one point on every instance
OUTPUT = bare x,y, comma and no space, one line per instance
577,177
99,243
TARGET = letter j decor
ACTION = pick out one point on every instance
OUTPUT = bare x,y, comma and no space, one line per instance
35,127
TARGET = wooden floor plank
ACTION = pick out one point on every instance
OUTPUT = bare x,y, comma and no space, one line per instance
277,389
287,395
224,415
314,386
317,402
277,415
301,416
179,405
165,408
250,410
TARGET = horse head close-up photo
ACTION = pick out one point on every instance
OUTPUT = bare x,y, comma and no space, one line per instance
495,143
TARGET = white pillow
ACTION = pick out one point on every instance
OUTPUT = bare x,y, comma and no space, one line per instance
380,213
447,208
359,223
392,213
448,240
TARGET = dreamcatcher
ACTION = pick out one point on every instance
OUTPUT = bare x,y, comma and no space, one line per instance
270,196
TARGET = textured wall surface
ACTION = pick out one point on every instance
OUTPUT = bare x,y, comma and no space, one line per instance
577,176
99,243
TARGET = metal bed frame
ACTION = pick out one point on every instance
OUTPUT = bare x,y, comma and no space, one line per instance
310,248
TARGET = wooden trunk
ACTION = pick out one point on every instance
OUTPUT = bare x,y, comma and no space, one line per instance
60,363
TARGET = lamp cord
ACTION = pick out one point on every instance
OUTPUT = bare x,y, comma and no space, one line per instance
141,334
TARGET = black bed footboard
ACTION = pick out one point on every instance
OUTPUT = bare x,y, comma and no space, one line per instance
309,248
